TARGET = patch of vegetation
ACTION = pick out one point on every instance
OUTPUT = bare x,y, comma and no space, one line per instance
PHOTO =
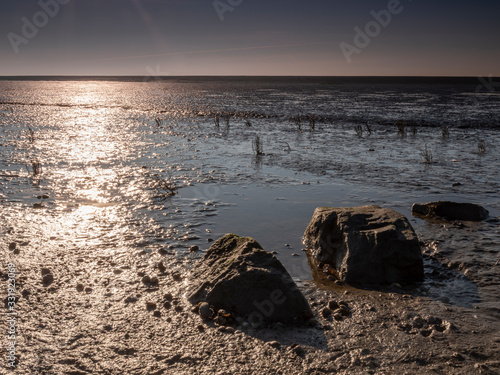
427,155
257,146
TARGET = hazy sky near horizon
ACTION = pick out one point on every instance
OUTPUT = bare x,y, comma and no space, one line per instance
250,37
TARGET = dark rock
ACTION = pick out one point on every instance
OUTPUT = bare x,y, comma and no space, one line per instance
366,244
451,210
194,248
12,246
261,291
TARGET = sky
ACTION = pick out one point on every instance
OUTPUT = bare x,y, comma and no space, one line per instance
250,37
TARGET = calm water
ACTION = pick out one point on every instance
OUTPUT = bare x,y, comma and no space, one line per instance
106,155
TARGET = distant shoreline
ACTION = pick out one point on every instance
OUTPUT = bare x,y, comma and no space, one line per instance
412,80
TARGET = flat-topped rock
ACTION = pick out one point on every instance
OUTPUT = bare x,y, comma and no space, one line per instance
367,244
239,276
451,210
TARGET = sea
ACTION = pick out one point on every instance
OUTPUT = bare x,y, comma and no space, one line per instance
129,166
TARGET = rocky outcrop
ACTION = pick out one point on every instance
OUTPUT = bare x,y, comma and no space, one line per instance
451,210
239,276
367,244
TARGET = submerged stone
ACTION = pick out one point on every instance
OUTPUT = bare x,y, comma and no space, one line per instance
239,276
451,210
367,244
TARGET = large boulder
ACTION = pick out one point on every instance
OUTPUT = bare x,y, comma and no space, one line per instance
239,276
367,244
451,210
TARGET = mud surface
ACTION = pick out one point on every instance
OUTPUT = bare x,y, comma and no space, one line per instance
98,316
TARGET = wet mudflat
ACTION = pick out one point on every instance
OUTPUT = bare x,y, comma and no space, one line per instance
103,203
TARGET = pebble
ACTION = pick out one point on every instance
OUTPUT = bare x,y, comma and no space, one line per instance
418,322
161,267
200,328
333,305
146,279
194,248
12,246
274,344
297,349
151,306
168,297
295,255
45,271
88,290
48,279
130,299
154,281
337,316
205,311
326,312
167,305
177,276
210,240
79,288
